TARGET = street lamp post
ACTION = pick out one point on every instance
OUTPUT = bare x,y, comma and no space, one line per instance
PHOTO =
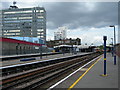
71,42
114,51
112,47
40,47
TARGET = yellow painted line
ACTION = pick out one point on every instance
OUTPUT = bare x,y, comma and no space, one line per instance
82,75
104,58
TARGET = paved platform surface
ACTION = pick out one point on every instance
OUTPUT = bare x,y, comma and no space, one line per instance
17,61
93,78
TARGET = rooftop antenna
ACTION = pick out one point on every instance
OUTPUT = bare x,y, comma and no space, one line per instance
13,6
14,3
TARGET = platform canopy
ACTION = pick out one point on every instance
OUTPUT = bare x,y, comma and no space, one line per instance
83,46
62,46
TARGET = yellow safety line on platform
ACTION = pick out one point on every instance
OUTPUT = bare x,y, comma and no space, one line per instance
104,58
83,75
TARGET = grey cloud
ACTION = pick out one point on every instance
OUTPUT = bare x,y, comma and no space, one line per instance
5,4
78,15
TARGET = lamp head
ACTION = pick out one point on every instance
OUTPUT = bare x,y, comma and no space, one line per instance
104,37
111,26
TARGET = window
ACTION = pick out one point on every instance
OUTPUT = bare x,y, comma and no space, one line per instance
11,21
13,12
25,17
40,17
9,12
40,30
26,20
17,33
9,34
41,10
26,11
40,33
8,18
14,30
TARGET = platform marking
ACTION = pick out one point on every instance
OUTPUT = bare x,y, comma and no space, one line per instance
72,74
82,75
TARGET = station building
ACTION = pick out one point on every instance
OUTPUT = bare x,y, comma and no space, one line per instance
24,22
10,46
69,41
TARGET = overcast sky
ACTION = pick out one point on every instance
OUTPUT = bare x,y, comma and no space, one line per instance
86,20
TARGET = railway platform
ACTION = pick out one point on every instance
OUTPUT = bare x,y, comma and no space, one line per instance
91,77
47,57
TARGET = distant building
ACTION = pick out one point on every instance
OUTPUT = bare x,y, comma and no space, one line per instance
15,46
24,22
60,33
70,41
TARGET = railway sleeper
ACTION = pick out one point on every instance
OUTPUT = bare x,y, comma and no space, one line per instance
62,71
52,69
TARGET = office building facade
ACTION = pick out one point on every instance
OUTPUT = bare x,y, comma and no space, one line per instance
60,34
24,22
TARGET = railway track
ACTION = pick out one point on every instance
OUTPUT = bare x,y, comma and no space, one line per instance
38,76
13,69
